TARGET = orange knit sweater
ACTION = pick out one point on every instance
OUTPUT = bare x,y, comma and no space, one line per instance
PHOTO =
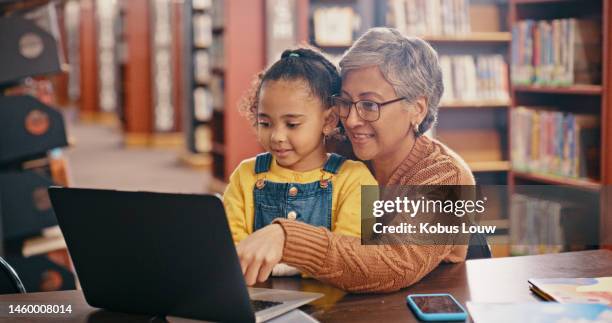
343,262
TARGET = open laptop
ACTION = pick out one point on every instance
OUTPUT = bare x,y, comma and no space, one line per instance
161,254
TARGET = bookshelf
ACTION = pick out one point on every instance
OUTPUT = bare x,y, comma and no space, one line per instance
473,39
150,79
32,135
582,183
474,104
584,89
592,99
490,166
198,106
236,57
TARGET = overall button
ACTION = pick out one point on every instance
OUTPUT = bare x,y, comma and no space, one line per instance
291,215
293,191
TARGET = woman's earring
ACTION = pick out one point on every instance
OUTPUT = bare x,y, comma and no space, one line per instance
415,128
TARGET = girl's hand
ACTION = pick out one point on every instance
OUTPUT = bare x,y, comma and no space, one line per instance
260,252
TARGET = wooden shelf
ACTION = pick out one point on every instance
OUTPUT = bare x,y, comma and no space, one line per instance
521,2
200,47
476,37
490,166
585,183
583,89
475,104
323,46
196,160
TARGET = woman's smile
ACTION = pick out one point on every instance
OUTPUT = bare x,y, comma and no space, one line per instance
361,137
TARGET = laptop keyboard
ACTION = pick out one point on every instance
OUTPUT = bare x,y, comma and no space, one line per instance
262,305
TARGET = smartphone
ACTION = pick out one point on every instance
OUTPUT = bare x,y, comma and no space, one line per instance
436,307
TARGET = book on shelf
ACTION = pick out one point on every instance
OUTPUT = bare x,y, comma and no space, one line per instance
558,52
470,78
202,67
202,30
430,17
554,142
535,226
201,4
203,139
42,245
333,26
202,104
550,224
217,52
217,92
217,14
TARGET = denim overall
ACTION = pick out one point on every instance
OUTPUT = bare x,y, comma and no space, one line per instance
310,202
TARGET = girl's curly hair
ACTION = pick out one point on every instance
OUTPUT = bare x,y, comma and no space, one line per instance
304,63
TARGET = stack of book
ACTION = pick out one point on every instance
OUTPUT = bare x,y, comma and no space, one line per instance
474,78
535,226
217,52
217,89
558,52
202,30
218,15
202,102
430,17
202,67
554,223
556,143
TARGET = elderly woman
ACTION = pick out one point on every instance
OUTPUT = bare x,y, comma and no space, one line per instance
391,87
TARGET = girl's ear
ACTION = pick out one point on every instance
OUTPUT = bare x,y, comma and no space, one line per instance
331,121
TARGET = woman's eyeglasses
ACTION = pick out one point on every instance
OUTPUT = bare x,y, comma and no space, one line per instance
367,110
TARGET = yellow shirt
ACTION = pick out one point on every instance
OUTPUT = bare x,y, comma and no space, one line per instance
346,195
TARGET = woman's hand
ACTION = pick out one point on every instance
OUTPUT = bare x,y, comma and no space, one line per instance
260,252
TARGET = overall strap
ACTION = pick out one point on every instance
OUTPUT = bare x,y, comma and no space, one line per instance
333,163
262,163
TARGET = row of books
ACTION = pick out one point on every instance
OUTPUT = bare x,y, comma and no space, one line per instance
535,226
218,19
557,52
207,99
202,30
217,52
201,68
203,139
163,106
474,78
201,4
430,17
202,104
554,142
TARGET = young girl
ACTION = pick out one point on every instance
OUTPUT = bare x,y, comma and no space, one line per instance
295,178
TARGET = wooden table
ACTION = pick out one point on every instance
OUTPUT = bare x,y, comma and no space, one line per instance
491,280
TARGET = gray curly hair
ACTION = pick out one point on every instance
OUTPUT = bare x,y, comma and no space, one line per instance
409,64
